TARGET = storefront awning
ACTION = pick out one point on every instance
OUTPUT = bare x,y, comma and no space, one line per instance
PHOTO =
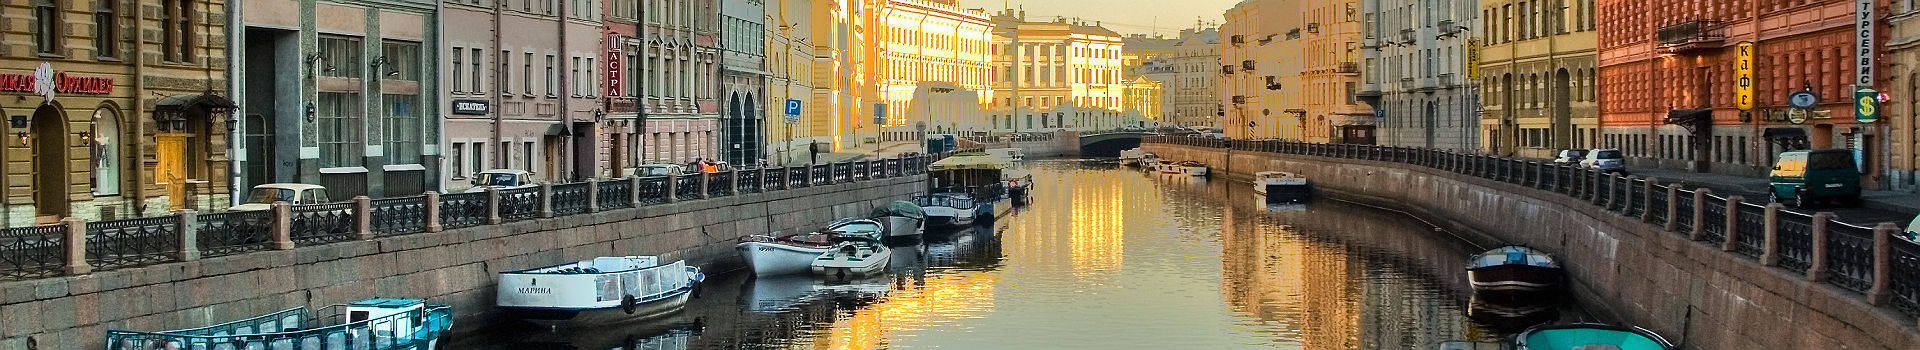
209,102
557,129
1775,133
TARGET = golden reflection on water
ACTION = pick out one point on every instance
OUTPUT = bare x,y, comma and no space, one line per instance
942,299
1098,232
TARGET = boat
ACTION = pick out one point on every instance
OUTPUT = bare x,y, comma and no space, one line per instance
979,178
1014,154
1019,184
604,289
1505,314
947,210
770,255
900,218
1131,157
1282,187
1468,345
374,324
1190,168
857,257
1148,160
1580,336
1513,269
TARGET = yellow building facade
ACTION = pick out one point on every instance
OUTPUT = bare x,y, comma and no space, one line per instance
930,41
1041,66
1289,71
790,65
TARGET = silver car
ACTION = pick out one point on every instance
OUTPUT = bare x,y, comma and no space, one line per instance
1607,160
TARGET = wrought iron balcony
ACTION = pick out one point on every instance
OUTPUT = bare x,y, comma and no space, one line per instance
1349,68
1226,69
1237,99
1246,65
1691,35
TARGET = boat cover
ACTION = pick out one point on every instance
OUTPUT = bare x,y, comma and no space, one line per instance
975,161
900,208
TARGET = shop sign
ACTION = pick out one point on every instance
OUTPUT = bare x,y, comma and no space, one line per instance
1743,76
470,107
45,82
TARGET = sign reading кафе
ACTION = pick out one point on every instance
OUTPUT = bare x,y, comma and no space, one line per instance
61,83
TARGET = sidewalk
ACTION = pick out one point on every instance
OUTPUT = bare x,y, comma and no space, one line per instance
886,150
1755,189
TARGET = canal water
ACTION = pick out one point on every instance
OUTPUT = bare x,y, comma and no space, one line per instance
1106,257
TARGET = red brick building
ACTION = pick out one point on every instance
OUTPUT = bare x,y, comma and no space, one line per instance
1667,82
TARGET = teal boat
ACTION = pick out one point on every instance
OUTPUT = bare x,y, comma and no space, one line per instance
369,324
1589,336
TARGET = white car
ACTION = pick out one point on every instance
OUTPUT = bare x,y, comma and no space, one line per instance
263,196
656,170
1606,160
502,179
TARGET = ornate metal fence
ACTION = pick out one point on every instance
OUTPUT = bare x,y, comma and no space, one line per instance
1795,243
133,242
399,215
1850,256
325,223
653,190
1713,226
519,204
1905,279
750,180
615,194
772,179
1636,197
570,198
687,187
718,184
822,174
30,252
799,177
1752,238
233,232
458,210
1683,212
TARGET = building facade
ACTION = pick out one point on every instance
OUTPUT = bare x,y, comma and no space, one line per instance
523,82
1142,104
113,114
923,41
1538,83
1042,65
1416,69
341,94
790,82
1903,132
1289,70
1194,82
1669,93
841,107
743,64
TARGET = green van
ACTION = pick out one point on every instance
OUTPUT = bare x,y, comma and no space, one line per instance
1802,177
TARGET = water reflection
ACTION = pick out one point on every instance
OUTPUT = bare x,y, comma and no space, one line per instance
1109,257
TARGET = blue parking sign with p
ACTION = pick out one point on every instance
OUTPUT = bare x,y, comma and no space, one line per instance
793,107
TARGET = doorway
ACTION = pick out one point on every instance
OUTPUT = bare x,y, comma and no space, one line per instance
49,146
260,158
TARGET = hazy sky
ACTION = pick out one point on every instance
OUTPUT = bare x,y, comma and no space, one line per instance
1124,16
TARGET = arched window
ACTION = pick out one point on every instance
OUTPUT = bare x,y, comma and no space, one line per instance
103,140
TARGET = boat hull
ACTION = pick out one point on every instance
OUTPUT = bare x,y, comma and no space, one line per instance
900,226
1514,278
1194,170
949,217
768,259
1285,193
875,264
640,312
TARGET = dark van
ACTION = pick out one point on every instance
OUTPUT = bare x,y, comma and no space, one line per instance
1800,178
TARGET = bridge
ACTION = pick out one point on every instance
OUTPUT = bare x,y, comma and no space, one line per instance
1109,143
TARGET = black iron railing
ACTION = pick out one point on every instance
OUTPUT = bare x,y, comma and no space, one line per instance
233,232
799,177
718,184
30,252
1750,238
1850,256
325,223
822,174
1905,280
615,194
570,198
1713,223
459,210
773,179
1683,212
519,204
1795,243
131,242
750,180
653,190
399,215
687,187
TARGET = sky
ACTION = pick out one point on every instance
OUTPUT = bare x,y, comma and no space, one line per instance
1124,16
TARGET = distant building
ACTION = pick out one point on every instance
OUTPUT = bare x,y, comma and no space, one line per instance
1289,70
1041,65
924,42
743,73
790,80
1194,81
1416,73
523,78
1536,86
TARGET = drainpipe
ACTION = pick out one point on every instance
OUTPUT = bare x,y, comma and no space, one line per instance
567,91
500,160
139,120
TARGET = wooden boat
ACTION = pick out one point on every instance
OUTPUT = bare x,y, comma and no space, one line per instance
1582,336
1513,269
605,289
853,258
375,324
792,254
1282,187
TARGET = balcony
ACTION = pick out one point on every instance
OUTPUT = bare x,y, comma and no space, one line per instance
1239,100
1348,68
1226,69
1313,28
1246,65
1369,90
1239,39
1691,35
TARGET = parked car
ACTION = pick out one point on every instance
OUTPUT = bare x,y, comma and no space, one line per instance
502,179
1606,160
1801,178
656,170
262,196
1570,156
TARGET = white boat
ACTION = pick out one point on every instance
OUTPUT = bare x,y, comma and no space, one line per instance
947,209
374,324
853,258
1194,170
900,218
769,256
1131,156
978,177
1189,168
605,289
1282,187
1014,154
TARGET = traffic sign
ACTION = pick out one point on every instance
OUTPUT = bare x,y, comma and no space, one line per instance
1866,105
793,111
879,113
1803,99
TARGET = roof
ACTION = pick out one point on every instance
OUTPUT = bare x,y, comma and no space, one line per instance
291,186
972,161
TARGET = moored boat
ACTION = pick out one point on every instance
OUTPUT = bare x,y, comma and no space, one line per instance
1581,336
1513,269
790,254
1131,156
1148,160
605,289
900,218
375,324
980,178
1282,187
947,210
1191,168
853,258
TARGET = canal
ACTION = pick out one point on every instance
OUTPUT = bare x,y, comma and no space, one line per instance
1105,258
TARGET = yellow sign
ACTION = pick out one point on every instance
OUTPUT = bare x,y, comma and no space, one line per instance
1473,59
1743,76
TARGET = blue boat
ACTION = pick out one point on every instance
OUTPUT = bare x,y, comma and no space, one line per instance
373,324
1589,336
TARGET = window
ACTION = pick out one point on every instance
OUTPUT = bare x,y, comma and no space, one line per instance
526,74
474,78
403,128
403,61
574,72
505,73
106,36
459,158
479,155
339,57
592,81
526,156
553,82
46,34
177,28
457,53
339,134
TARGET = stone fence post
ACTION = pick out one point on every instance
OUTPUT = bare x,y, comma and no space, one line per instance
733,182
189,237
1673,206
1699,214
1646,214
673,188
706,185
282,226
433,212
1818,271
593,196
493,206
1594,186
1732,224
76,243
633,191
363,213
546,200
1882,291
1770,253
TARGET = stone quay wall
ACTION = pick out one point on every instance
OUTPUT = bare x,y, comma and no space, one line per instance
1651,270
455,266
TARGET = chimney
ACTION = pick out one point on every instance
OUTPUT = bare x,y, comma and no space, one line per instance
1096,23
1023,14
